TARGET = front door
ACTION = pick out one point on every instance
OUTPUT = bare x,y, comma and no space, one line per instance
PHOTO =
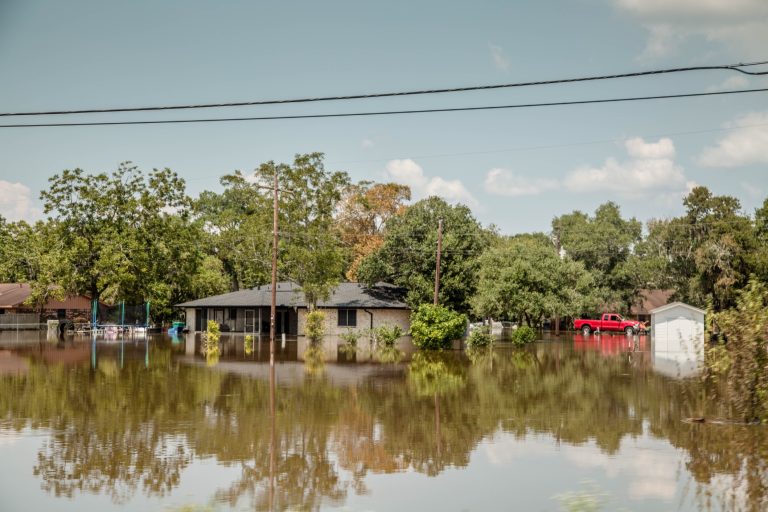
250,320
281,322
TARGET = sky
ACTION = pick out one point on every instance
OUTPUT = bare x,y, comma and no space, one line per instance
517,169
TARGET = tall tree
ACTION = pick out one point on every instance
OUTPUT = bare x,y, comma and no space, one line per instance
524,278
123,235
407,255
311,252
364,211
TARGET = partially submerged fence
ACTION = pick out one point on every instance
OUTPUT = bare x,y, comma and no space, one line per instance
20,321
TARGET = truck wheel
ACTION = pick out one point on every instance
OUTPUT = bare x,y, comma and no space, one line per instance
586,330
630,331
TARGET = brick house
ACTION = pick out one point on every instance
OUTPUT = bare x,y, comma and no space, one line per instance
350,306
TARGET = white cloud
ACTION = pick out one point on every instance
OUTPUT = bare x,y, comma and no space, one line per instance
367,143
741,25
410,173
746,144
500,60
638,148
731,83
504,182
650,167
16,202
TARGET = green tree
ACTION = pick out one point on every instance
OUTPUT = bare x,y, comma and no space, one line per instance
524,278
603,243
311,253
124,235
407,256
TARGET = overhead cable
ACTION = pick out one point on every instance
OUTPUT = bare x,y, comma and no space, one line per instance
383,112
726,67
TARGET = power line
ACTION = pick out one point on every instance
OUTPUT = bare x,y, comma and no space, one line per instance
726,67
385,112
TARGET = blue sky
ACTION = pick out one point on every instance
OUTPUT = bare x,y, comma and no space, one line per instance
515,168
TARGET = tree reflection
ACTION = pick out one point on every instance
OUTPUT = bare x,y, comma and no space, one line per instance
118,431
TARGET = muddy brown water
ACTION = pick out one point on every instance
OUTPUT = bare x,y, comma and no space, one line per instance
139,424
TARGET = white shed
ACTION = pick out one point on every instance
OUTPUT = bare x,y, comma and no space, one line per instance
678,331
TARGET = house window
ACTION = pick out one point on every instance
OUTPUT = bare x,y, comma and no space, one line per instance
233,313
347,318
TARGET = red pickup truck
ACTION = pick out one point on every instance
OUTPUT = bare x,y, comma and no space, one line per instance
609,322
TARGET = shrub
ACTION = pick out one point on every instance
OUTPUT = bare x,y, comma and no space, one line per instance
350,337
315,328
523,335
211,338
386,335
248,343
434,327
480,337
742,360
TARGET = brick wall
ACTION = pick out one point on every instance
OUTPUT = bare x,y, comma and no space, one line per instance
400,317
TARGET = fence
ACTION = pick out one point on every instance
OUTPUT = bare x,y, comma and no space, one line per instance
20,321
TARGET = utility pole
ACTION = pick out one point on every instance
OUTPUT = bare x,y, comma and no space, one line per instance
273,311
439,252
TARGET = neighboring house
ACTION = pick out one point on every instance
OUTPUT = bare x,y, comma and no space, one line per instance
648,300
14,295
350,306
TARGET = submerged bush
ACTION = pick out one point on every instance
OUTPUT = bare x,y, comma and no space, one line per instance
741,357
315,328
386,335
435,327
523,335
480,337
350,337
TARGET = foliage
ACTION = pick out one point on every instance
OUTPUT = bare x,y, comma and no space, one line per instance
407,255
603,244
123,236
524,278
364,211
435,327
480,337
386,335
248,345
350,337
315,326
211,339
523,335
742,361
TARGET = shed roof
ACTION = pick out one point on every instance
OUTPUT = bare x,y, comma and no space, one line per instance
675,305
289,294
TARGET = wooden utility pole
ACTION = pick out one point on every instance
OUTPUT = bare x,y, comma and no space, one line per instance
273,311
437,262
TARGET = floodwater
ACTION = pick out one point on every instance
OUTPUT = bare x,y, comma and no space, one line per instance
569,423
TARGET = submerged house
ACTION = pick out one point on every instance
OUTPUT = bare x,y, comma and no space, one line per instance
350,306
13,301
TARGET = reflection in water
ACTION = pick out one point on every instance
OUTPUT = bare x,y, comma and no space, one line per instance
133,424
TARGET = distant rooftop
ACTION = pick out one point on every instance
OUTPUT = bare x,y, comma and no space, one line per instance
289,294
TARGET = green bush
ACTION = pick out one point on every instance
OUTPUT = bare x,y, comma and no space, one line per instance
523,335
211,338
315,328
386,335
350,337
480,337
741,362
435,327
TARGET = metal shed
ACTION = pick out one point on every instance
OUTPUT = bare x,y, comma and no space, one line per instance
677,330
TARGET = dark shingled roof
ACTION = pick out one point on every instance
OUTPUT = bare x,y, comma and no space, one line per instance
346,295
